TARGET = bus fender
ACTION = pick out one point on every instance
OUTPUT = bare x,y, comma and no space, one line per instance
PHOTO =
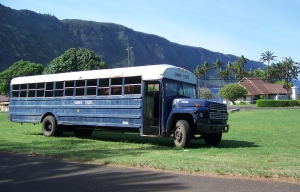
176,116
47,114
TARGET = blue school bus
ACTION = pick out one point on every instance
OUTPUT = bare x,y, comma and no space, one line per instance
155,100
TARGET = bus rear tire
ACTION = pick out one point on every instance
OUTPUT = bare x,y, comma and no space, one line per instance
182,134
50,127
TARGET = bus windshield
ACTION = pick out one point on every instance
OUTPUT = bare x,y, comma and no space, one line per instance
177,88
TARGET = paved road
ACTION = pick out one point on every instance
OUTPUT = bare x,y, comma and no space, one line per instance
35,174
251,107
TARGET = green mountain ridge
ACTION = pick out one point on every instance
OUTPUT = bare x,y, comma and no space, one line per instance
40,38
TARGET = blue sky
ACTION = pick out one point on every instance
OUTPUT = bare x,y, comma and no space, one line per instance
238,27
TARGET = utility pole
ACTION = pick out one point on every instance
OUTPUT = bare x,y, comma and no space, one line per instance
286,77
128,49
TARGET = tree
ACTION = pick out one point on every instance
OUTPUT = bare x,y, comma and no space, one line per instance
277,72
205,93
19,68
233,92
239,67
250,73
202,71
218,66
242,60
267,56
238,70
75,60
229,70
283,82
286,70
292,69
259,73
206,67
223,74
198,72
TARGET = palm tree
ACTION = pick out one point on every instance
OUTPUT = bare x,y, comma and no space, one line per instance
242,61
198,72
237,71
229,69
206,67
218,65
267,56
250,73
281,70
223,74
292,70
259,73
273,73
240,66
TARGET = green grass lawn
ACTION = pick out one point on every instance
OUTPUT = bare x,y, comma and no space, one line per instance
261,143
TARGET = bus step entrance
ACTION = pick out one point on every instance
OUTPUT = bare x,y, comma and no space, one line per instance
154,130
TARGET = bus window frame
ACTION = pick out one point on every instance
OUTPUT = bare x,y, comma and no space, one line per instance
125,86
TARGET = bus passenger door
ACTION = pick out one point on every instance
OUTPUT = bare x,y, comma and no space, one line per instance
152,108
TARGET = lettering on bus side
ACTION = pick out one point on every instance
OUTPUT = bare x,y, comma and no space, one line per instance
182,75
89,102
186,77
178,74
77,102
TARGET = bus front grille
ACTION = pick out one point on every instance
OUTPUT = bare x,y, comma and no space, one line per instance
218,111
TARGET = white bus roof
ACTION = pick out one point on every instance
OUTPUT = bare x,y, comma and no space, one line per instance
149,72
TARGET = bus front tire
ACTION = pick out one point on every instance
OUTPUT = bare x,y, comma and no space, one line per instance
50,127
182,134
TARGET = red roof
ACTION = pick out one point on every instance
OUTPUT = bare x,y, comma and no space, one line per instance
256,86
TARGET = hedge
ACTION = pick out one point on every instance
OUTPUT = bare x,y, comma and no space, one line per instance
277,103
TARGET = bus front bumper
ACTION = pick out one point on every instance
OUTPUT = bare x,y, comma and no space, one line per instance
212,128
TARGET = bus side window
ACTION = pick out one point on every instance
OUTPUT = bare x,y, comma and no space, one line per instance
59,89
31,90
132,85
15,91
91,87
23,90
40,89
116,86
103,87
80,85
69,88
49,89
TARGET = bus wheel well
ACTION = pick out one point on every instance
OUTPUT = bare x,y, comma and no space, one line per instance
47,114
179,116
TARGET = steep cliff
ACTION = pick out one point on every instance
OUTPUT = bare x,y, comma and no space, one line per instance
40,38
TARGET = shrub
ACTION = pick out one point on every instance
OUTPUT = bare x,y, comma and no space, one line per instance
205,93
242,103
277,103
232,92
